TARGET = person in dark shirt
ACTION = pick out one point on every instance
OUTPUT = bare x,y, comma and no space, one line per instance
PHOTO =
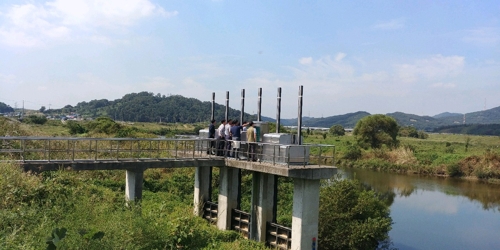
211,135
236,137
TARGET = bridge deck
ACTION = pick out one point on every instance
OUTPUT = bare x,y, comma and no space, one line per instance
48,154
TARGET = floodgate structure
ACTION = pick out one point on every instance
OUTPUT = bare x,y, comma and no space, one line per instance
278,154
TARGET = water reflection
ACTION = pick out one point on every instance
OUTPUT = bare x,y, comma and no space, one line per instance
438,213
405,185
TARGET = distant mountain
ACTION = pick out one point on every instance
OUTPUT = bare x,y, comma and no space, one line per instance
419,122
447,114
490,116
4,108
347,120
148,107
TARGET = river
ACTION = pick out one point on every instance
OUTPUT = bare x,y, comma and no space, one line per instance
438,213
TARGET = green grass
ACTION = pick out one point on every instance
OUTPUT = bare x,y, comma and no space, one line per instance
440,154
33,206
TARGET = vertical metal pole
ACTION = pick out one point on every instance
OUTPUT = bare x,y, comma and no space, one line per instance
242,115
259,104
227,106
319,156
299,117
175,149
96,150
150,149
23,143
212,117
49,150
278,111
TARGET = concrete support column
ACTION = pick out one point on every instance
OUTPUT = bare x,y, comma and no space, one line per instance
262,204
201,188
305,213
228,196
133,184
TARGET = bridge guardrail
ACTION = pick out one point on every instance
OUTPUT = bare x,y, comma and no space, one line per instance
121,149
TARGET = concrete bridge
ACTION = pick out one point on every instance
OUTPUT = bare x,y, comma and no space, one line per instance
135,155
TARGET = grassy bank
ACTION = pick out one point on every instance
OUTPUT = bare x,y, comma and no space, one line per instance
441,154
90,207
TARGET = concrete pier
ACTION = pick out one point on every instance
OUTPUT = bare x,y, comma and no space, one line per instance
262,204
201,188
133,184
305,213
228,196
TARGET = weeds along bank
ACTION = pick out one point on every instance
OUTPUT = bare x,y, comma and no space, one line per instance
440,154
90,207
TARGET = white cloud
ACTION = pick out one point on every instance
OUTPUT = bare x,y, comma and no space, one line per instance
435,67
305,60
393,24
34,24
340,56
443,85
489,36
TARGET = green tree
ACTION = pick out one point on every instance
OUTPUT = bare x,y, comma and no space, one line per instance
376,130
351,217
103,125
75,127
42,109
35,119
408,131
337,130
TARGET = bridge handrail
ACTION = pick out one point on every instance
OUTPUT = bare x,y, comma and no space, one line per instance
25,148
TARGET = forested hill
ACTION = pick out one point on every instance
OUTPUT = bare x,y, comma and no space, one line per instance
4,108
148,107
346,120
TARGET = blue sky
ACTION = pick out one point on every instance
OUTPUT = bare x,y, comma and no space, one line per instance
420,57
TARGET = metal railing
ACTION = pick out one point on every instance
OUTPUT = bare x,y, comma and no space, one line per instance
120,149
210,211
284,154
278,236
95,149
241,222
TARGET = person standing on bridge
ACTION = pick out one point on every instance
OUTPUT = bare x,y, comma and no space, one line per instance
221,138
211,135
236,137
228,138
251,140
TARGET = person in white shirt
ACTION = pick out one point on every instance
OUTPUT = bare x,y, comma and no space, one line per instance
221,131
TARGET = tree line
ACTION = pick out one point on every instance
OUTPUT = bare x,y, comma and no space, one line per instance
148,107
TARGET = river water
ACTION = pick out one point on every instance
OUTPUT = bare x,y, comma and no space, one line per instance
438,213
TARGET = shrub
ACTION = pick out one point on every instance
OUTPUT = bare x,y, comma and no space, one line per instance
103,125
75,128
35,119
351,217
454,170
353,152
337,130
